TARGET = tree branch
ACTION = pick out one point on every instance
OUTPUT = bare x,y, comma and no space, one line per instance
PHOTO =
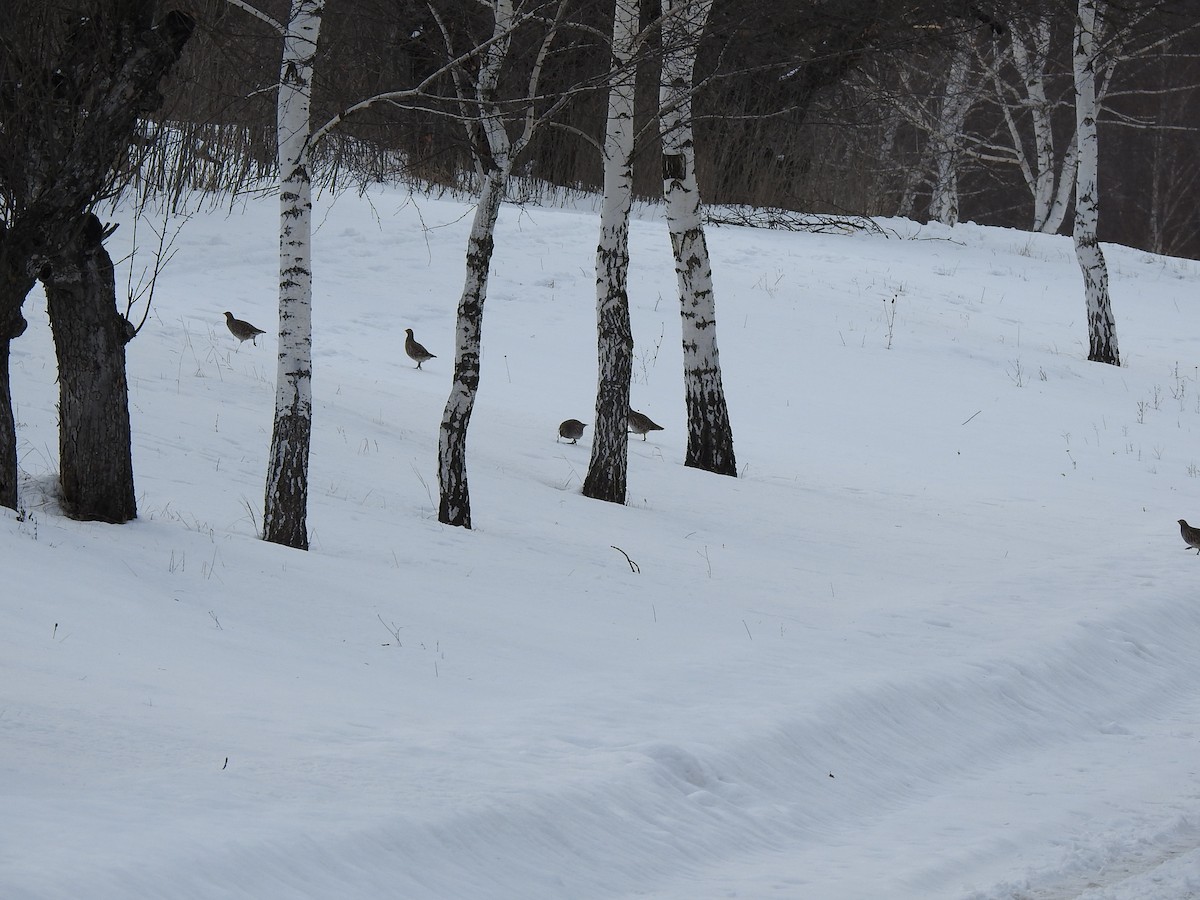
258,14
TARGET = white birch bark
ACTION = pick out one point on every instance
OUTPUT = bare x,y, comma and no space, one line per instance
1066,187
1030,49
1102,333
1050,180
285,510
947,137
608,469
710,436
454,506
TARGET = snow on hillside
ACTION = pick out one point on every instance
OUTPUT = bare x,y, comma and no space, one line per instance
937,641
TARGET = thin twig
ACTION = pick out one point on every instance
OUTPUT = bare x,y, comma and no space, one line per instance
633,567
393,630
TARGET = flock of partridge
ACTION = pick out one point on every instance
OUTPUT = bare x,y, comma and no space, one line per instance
571,429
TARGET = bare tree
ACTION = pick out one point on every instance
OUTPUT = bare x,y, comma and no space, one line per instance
285,512
1170,206
73,82
609,465
710,435
285,507
484,116
1102,329
947,137
1048,173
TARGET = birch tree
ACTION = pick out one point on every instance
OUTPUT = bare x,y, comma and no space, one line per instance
710,435
1050,179
497,152
608,469
285,507
285,512
1026,82
1102,330
946,137
483,113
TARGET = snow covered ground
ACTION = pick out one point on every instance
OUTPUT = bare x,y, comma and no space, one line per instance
939,640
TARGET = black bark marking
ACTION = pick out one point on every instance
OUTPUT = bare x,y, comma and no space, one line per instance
674,167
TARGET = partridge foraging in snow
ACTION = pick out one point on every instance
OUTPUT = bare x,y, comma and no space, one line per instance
572,429
241,330
415,351
1191,536
640,424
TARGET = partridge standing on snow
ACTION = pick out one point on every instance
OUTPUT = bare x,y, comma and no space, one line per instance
1191,536
640,424
243,331
572,429
415,351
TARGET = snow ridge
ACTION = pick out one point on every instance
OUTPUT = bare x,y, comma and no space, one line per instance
670,813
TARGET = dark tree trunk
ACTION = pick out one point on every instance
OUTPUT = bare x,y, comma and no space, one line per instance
14,287
8,433
710,435
59,138
290,444
95,462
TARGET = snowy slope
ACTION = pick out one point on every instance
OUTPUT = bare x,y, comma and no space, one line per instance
937,641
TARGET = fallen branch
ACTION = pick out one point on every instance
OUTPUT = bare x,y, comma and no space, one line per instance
633,567
393,629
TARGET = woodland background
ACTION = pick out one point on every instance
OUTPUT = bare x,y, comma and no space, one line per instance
822,107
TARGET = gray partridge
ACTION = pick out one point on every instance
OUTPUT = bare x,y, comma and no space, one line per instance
572,430
241,330
640,424
1191,536
415,351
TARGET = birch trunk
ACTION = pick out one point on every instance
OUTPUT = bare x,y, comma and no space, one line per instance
1102,331
1066,187
454,504
1030,49
947,138
95,460
609,466
285,510
710,436
1050,180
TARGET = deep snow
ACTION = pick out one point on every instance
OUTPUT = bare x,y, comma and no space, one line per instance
939,640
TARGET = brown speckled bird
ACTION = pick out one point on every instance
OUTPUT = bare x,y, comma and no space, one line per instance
572,430
1191,536
241,330
640,424
415,351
